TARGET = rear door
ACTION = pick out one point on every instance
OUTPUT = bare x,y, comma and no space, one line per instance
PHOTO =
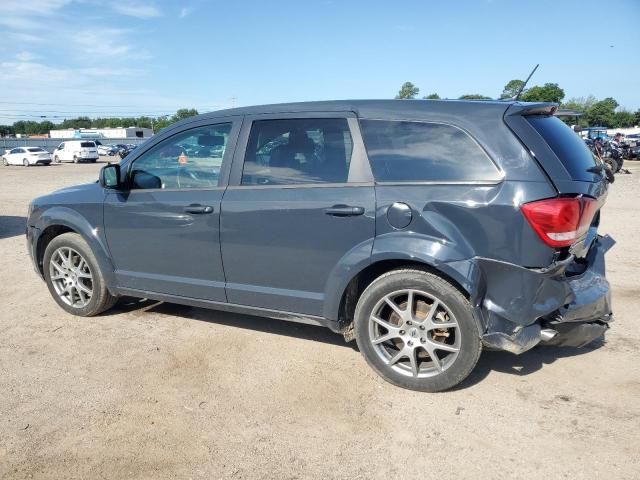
300,200
163,230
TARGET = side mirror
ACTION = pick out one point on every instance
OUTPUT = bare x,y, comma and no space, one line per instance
110,176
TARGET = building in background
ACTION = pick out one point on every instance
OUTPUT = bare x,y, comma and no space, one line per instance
119,133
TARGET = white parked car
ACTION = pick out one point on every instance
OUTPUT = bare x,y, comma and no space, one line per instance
76,151
26,156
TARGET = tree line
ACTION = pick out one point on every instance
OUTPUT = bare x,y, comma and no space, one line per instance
29,127
595,112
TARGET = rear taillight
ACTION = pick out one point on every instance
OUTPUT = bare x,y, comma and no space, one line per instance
560,221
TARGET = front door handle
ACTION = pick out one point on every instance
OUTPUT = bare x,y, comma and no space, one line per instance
199,209
344,211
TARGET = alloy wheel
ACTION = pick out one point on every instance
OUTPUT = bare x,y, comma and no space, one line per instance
414,333
71,277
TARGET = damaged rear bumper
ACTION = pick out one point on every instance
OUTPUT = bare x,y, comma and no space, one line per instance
558,305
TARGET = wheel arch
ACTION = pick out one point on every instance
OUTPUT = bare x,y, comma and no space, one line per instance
341,299
59,220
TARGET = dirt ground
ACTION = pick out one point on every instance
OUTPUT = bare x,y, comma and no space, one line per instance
165,391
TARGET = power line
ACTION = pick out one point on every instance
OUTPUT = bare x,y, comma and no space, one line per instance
3,102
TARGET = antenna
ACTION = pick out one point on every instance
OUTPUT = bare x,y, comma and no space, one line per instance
525,82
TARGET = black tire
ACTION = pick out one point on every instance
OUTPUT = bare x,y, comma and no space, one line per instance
470,345
25,162
101,300
4,162
75,159
56,159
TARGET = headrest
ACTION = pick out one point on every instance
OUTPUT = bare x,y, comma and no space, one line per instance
210,140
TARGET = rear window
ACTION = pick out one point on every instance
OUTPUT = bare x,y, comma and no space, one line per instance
566,144
87,145
422,151
35,149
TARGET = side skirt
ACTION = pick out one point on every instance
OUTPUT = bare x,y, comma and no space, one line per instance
231,307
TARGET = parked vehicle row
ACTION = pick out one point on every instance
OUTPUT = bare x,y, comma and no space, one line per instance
423,230
75,151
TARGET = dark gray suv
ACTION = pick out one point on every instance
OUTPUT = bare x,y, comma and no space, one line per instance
421,229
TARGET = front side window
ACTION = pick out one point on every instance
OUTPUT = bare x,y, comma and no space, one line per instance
420,151
298,151
16,150
190,159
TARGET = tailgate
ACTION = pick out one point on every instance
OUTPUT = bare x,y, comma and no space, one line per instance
563,156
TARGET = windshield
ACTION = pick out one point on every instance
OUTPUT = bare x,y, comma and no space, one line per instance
566,144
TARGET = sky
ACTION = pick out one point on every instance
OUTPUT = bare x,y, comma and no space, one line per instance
64,58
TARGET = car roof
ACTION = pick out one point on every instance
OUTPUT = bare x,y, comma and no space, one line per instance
371,108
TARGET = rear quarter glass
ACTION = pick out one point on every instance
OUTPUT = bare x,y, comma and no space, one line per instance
412,151
566,144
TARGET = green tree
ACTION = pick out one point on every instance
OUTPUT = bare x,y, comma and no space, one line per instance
623,119
580,104
184,113
473,96
6,130
432,96
161,123
602,113
636,120
408,91
511,89
549,92
76,123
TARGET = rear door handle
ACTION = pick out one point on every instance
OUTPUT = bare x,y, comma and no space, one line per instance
199,209
344,211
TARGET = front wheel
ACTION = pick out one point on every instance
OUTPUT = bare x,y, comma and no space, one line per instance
25,162
417,331
56,159
5,163
74,278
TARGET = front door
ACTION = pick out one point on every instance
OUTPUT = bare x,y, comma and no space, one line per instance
163,231
298,203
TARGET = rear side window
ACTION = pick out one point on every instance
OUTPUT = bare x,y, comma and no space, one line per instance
35,149
298,151
566,144
87,145
422,151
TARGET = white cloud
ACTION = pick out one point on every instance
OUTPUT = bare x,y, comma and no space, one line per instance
25,56
106,42
32,7
136,9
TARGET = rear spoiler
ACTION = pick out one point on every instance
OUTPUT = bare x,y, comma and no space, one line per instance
531,108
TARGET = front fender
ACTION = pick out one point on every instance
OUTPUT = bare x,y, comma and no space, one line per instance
91,232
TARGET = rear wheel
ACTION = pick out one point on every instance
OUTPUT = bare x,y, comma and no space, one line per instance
74,278
417,331
75,159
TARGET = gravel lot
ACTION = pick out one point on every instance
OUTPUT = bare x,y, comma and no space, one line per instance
165,391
